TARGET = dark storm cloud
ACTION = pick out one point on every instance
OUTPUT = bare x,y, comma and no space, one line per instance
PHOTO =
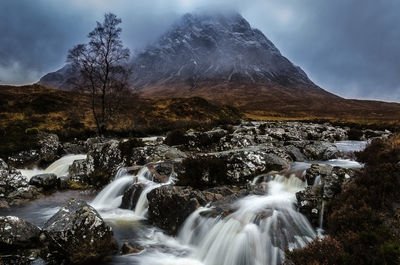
349,47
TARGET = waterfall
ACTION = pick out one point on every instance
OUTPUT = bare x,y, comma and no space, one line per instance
58,167
111,196
256,233
108,201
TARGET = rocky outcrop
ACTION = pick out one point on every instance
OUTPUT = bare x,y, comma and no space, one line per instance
20,241
332,180
79,234
45,181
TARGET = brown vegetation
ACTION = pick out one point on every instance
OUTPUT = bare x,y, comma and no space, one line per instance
364,220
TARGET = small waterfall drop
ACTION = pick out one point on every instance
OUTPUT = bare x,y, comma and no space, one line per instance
58,167
108,201
257,232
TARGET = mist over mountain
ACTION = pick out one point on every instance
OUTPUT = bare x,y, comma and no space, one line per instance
213,47
205,47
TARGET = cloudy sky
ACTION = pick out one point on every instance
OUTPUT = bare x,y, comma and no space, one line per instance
349,47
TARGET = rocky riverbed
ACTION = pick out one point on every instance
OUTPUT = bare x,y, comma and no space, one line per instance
168,182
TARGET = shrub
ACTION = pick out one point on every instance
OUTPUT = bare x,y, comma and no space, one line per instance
324,251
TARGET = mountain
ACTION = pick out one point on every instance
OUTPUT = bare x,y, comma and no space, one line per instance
218,47
221,58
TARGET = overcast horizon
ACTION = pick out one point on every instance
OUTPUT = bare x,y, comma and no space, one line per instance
348,48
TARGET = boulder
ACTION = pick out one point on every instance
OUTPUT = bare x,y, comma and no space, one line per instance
20,241
321,151
14,187
49,146
169,206
106,159
78,174
79,233
45,181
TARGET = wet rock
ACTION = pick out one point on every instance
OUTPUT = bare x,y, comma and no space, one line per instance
131,196
49,146
295,153
14,187
169,206
310,204
321,151
244,165
24,159
79,174
79,233
334,182
317,170
46,181
19,241
131,248
105,157
17,233
161,172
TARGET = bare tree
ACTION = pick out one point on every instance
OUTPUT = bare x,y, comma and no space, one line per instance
103,67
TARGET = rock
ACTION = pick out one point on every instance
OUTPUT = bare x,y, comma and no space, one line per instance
294,153
131,196
130,248
17,233
74,148
310,204
321,151
47,151
169,206
24,159
20,241
150,154
46,181
334,182
317,170
161,172
204,140
49,146
79,233
106,159
14,187
78,174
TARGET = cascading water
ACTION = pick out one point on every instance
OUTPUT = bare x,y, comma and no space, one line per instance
107,202
256,233
58,167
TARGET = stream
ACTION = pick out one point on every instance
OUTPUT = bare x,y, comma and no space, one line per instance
256,233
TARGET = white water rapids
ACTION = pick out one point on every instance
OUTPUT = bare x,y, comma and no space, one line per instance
256,233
